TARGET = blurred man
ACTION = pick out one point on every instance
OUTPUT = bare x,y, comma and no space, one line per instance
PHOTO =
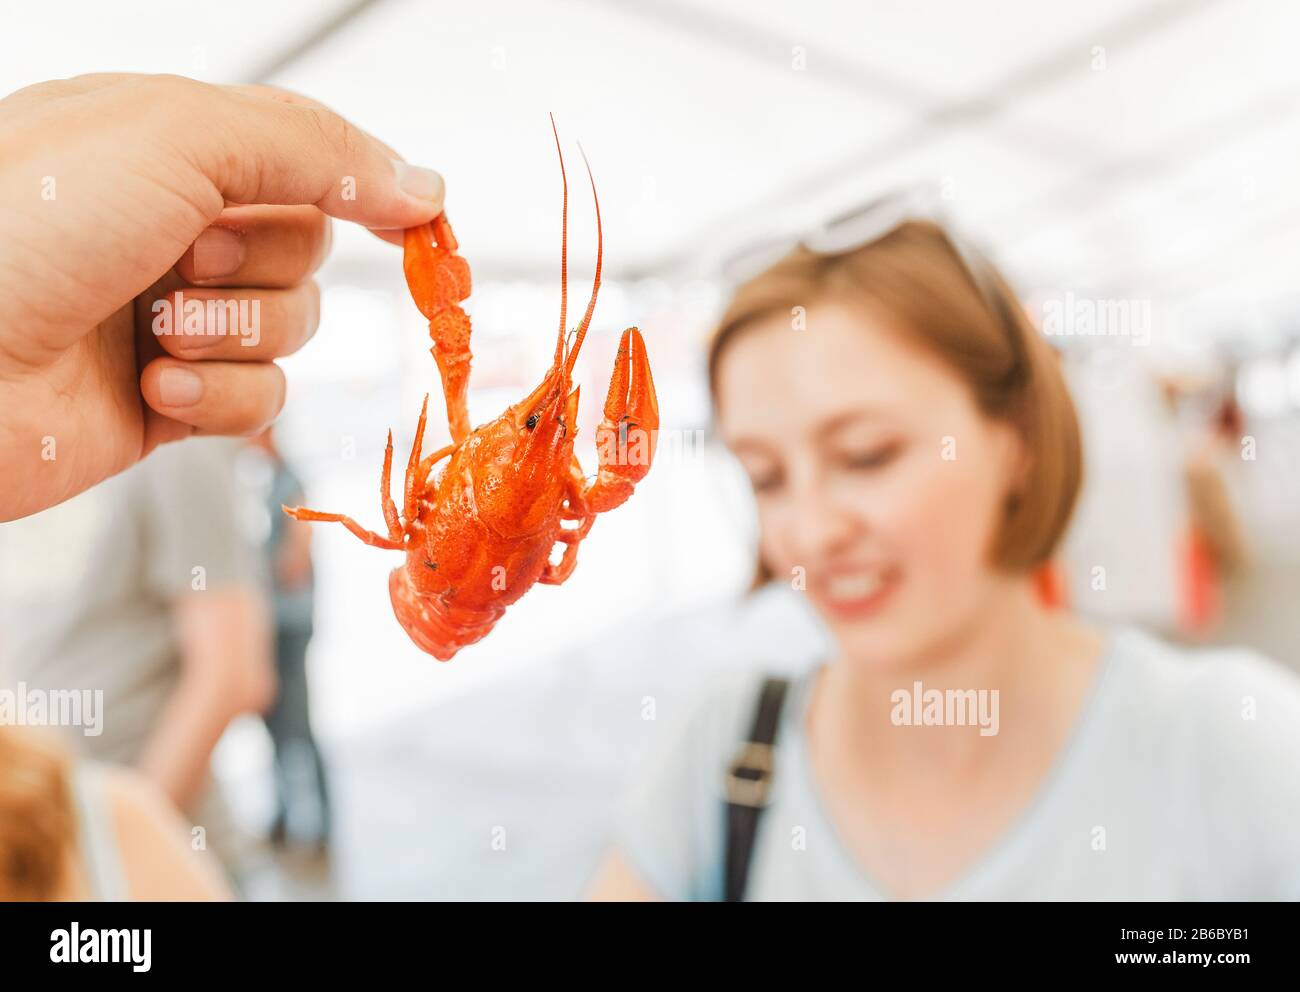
147,588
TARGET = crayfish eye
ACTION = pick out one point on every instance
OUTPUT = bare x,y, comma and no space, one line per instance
532,421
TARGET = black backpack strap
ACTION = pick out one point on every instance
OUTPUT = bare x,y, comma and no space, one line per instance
749,783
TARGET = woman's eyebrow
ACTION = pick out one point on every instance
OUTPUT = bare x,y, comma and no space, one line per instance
744,443
847,418
822,428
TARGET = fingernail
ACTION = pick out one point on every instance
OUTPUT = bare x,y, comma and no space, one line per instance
418,182
218,252
179,386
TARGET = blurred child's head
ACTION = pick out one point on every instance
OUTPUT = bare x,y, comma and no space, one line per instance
37,823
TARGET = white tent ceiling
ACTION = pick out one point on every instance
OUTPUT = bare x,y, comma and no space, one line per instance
1122,146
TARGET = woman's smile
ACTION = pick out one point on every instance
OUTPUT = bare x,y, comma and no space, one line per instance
855,593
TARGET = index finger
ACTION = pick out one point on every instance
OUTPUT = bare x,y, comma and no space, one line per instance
269,149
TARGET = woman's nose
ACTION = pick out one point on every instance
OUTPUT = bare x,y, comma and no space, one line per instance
820,524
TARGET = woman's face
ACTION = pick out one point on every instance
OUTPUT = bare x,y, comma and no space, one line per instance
875,474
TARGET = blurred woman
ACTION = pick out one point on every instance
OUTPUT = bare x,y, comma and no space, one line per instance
915,457
82,831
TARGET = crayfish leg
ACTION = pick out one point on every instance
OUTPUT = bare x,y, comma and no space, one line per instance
439,280
555,573
368,536
417,469
386,493
411,494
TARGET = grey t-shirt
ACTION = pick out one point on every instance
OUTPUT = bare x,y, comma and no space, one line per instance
88,588
1180,781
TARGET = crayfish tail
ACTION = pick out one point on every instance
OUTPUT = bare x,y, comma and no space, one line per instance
434,629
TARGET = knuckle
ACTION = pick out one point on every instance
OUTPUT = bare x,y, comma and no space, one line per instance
311,295
174,88
311,243
281,95
51,88
322,232
335,130
264,398
278,391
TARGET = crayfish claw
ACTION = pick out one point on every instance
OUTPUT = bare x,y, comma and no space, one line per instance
629,432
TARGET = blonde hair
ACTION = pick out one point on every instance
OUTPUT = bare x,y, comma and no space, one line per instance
37,821
968,316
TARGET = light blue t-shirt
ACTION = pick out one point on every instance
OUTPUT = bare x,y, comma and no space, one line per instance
1179,781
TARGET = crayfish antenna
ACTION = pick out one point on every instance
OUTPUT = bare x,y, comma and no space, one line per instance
595,286
564,250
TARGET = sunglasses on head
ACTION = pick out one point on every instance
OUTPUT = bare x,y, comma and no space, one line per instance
857,228
865,225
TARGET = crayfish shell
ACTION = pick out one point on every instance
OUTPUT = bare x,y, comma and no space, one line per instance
436,628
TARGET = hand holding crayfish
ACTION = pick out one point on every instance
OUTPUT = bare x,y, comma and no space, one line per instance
120,191
479,533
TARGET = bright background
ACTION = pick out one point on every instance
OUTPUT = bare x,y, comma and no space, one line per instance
1134,149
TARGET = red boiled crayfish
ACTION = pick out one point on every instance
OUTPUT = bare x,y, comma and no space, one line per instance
481,533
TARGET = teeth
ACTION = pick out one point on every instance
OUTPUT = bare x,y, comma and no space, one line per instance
858,586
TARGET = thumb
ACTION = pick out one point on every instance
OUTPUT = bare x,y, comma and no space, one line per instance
272,147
